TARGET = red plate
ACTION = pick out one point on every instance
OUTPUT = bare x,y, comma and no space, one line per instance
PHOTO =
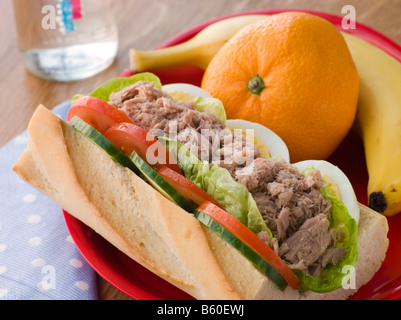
139,283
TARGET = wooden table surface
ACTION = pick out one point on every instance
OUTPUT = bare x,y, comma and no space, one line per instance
143,24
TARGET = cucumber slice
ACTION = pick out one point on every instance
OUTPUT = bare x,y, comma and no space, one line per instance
97,138
160,184
250,254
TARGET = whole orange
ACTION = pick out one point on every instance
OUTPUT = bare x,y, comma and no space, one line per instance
293,73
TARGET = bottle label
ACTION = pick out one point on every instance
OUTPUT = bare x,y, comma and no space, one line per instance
70,11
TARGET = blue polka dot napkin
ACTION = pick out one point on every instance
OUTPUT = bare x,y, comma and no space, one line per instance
38,257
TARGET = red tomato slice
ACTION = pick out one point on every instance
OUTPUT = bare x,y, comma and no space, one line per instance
250,239
186,187
97,113
129,137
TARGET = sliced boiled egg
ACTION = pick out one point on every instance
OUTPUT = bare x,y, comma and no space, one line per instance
264,138
333,175
268,143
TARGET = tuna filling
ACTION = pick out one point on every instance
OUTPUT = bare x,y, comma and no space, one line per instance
291,204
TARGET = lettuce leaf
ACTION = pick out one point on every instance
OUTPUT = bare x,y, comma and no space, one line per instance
211,105
334,276
103,92
217,182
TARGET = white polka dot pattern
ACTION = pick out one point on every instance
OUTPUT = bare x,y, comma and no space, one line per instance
38,257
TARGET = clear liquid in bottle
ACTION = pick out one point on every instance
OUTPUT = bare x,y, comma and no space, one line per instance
66,40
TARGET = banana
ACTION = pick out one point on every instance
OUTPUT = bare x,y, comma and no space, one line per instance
379,122
197,51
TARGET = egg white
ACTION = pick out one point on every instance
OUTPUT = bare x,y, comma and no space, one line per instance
338,177
188,88
273,142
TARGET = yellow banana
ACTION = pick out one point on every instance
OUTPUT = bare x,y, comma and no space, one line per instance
379,122
197,51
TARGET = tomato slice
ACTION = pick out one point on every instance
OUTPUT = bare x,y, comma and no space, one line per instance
252,240
97,113
186,187
129,137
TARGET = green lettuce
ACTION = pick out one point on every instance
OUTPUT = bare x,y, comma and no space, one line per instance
217,182
334,276
103,92
211,105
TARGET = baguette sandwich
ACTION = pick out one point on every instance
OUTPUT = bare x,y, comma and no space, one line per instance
161,174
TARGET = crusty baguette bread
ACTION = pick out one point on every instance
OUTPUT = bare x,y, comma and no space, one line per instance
139,221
